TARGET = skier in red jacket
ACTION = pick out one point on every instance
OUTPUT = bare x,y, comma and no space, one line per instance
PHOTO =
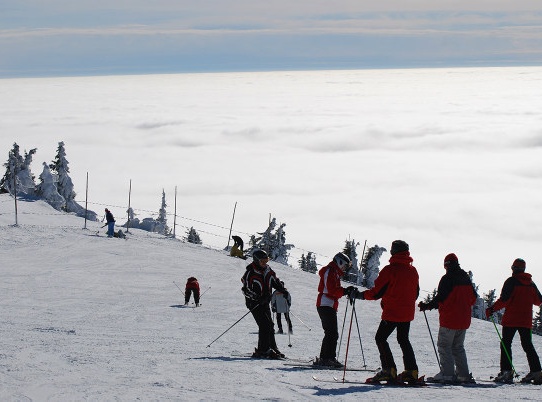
454,300
519,294
398,287
327,302
192,286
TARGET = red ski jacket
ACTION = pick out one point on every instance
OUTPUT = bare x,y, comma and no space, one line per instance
192,283
519,294
329,288
455,298
398,287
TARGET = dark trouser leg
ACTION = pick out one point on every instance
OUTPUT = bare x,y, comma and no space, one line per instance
266,329
409,359
527,345
328,316
382,334
287,316
187,293
507,337
196,296
279,322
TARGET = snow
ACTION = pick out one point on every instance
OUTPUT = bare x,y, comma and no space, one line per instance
84,317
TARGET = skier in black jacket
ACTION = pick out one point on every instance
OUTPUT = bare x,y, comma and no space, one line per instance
258,282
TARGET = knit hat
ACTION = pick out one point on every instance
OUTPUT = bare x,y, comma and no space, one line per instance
519,265
450,260
398,246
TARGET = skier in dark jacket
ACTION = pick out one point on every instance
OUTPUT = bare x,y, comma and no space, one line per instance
258,281
110,223
454,300
192,286
398,287
519,294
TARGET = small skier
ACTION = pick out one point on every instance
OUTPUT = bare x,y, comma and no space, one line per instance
192,286
454,300
327,303
280,304
258,281
519,294
110,221
398,287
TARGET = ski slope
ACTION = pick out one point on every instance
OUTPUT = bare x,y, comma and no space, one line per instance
85,317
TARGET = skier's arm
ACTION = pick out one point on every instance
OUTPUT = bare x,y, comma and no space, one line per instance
506,292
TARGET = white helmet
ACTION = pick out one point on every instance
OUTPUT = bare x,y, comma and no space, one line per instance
342,260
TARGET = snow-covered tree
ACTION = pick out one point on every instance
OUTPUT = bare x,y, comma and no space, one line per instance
192,236
162,216
537,322
479,309
308,263
47,189
274,243
59,168
353,274
430,296
20,168
370,266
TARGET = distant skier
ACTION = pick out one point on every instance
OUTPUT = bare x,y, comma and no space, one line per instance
519,294
237,248
327,303
192,286
258,282
280,304
454,300
398,287
110,223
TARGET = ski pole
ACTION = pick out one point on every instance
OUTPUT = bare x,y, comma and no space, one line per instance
432,341
359,336
179,288
342,331
300,320
348,341
250,311
204,292
504,347
289,341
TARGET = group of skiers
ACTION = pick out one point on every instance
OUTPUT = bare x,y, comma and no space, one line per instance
397,285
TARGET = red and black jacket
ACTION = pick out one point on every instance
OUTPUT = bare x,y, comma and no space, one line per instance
519,294
398,287
258,284
329,288
455,298
192,283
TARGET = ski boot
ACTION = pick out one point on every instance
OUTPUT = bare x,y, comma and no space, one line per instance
534,377
408,376
506,377
388,376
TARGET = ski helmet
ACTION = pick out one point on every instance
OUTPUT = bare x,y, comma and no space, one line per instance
260,255
342,260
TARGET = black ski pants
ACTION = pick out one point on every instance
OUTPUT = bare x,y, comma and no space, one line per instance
328,316
266,328
386,357
288,321
187,294
525,335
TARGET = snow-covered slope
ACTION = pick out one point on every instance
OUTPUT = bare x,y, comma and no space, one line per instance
84,317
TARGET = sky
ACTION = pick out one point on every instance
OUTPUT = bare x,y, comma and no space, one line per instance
57,38
445,159
89,318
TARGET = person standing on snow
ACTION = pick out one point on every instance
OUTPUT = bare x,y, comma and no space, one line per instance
110,223
192,286
280,304
258,281
398,287
327,303
518,296
454,300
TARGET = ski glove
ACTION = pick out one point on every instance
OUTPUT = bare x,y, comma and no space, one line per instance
489,311
423,306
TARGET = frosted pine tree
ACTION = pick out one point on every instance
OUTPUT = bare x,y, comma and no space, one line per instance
311,263
279,251
349,249
47,189
430,296
192,236
370,266
273,243
162,226
302,263
537,322
59,168
478,310
20,168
